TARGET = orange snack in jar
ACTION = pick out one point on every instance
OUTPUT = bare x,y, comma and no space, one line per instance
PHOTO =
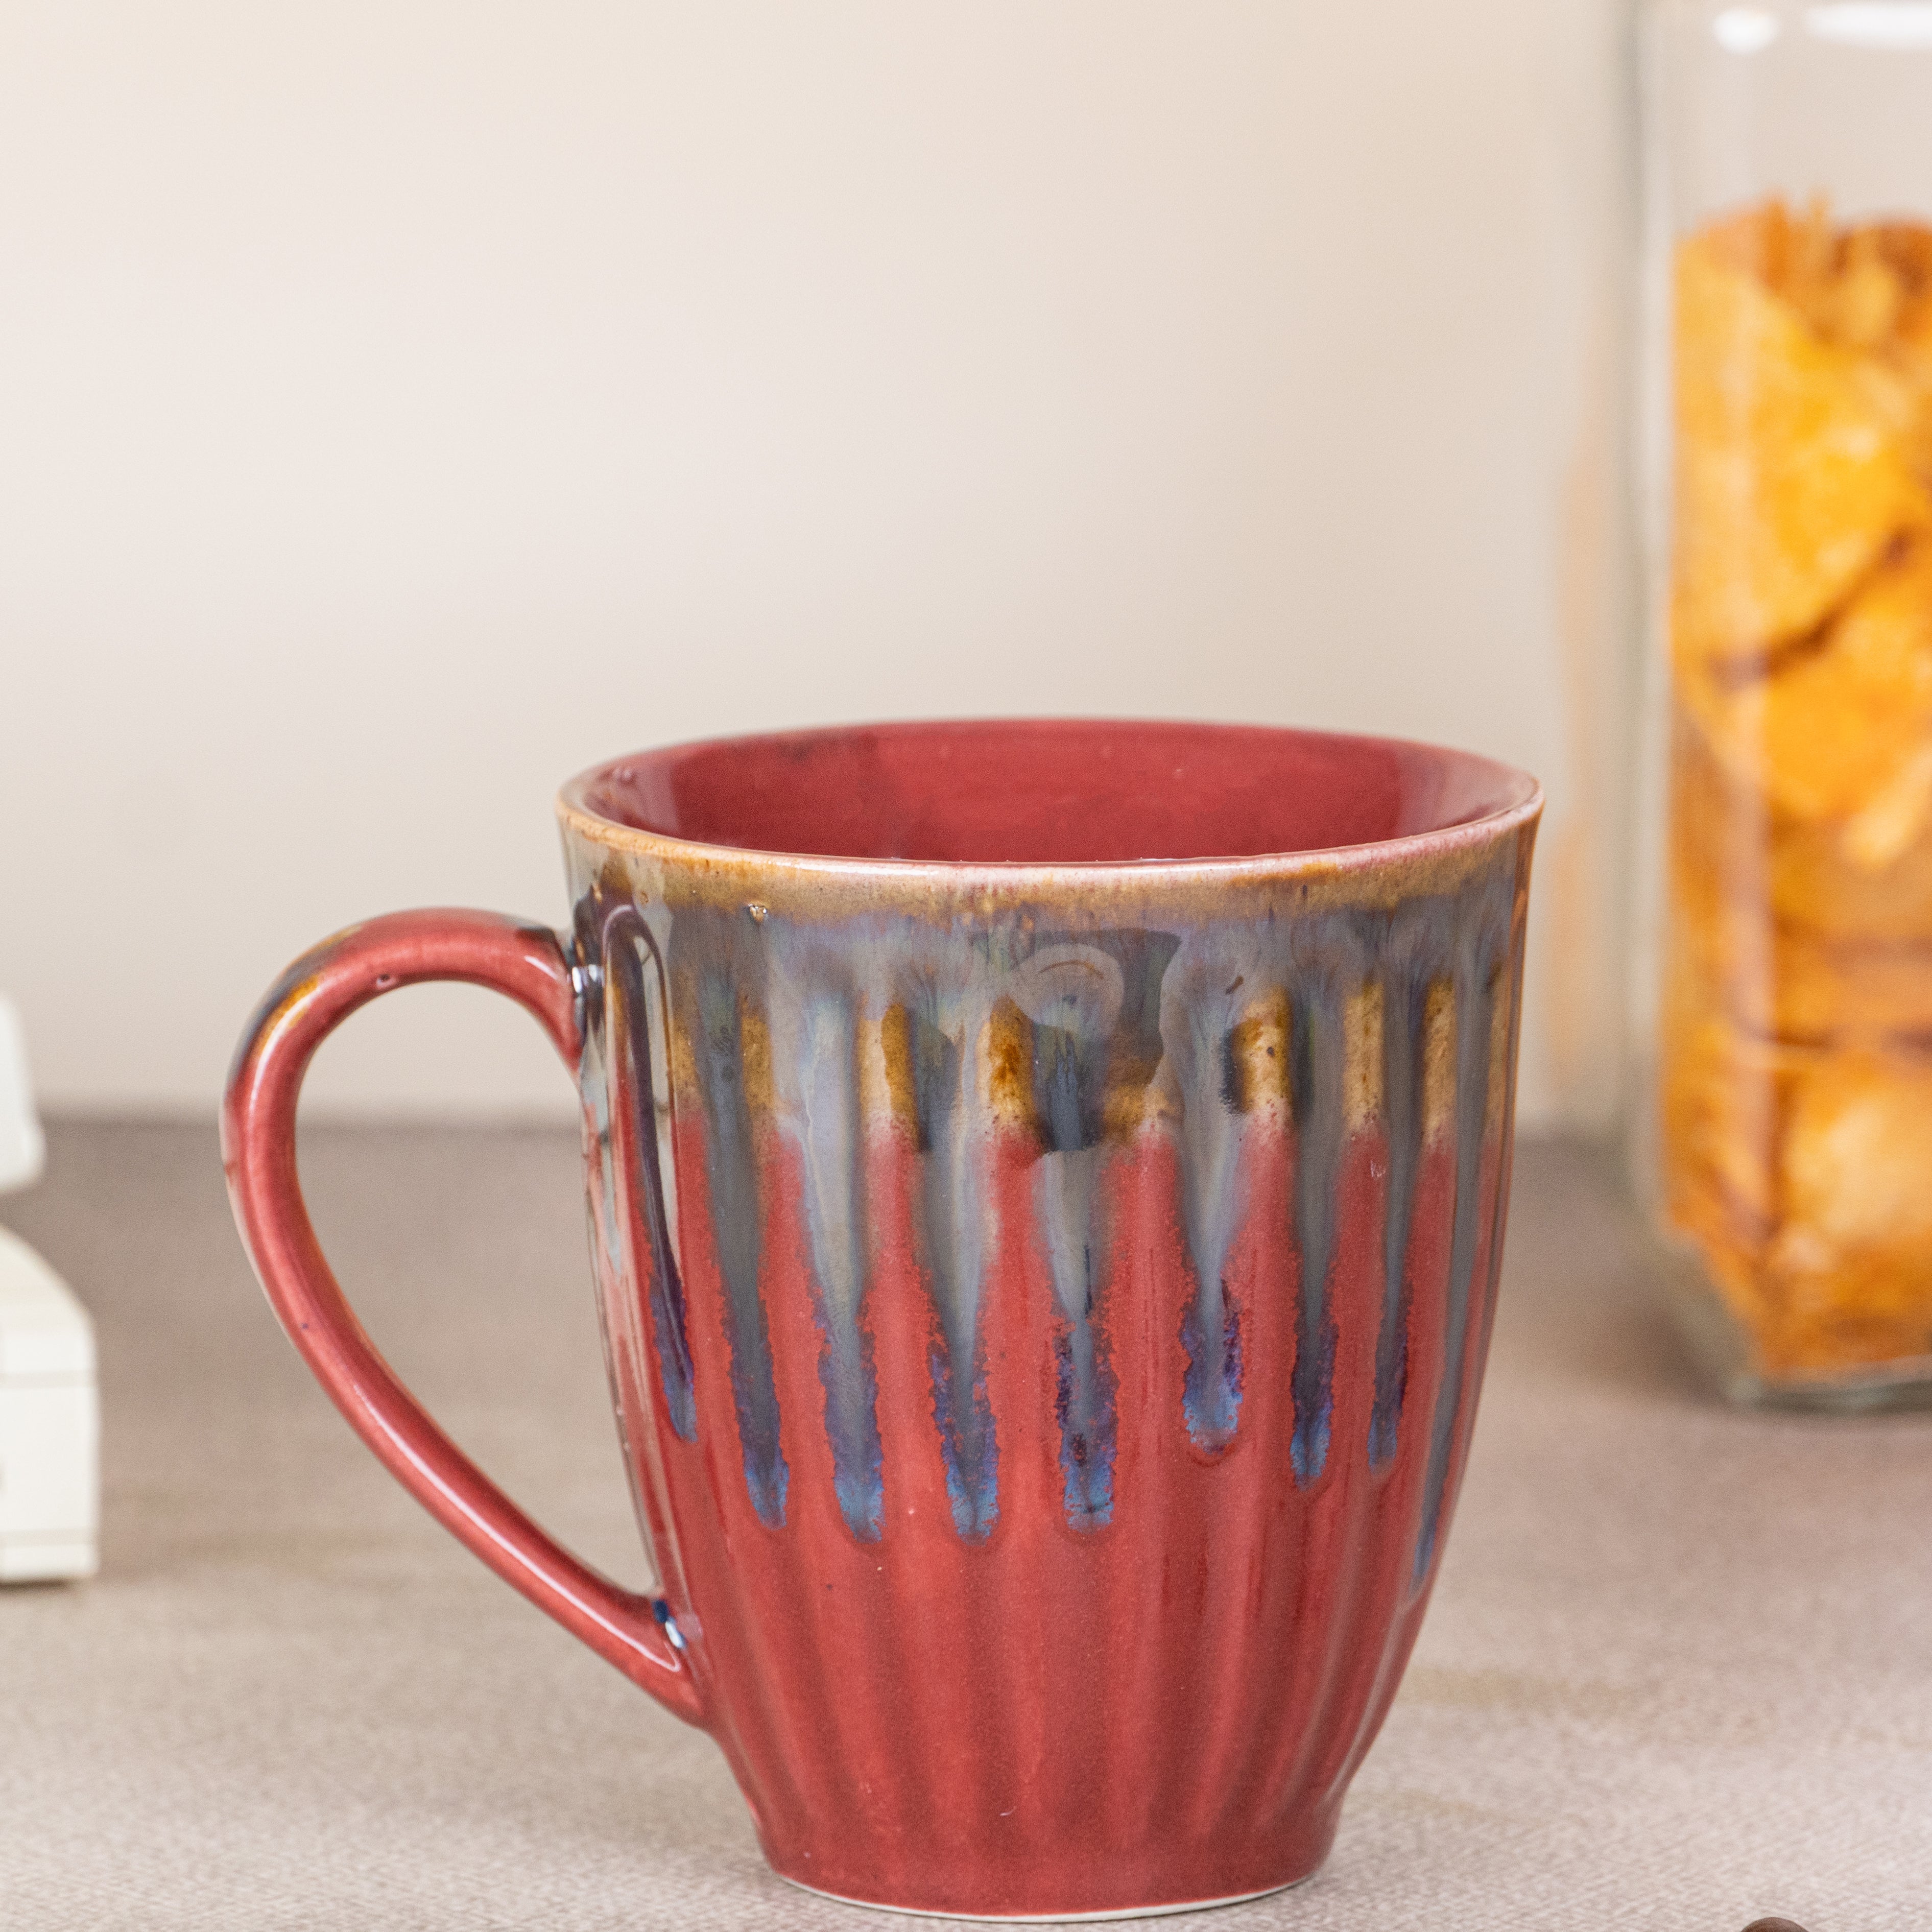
1791,477
1796,1033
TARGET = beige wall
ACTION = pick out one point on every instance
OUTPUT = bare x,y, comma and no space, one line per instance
402,407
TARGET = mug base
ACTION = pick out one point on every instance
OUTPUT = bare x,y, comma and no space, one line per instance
1050,1918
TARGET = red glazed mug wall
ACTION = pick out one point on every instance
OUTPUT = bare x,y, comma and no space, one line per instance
1047,1184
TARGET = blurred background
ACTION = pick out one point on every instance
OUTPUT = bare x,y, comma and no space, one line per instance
402,408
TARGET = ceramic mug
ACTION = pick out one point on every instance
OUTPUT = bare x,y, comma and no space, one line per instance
1047,1184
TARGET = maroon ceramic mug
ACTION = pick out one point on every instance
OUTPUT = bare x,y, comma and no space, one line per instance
1047,1182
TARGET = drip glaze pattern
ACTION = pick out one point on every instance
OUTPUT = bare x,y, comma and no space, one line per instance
1049,1337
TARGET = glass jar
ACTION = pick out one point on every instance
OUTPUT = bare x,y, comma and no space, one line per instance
1786,1135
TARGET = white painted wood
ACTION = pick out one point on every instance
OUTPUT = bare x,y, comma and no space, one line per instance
23,1151
49,1424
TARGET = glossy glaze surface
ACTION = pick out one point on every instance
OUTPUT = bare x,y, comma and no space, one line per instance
1047,1311
1045,1301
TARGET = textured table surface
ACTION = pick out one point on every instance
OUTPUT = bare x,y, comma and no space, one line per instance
1678,1673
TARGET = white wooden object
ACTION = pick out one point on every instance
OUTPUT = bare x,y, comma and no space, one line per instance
50,1417
49,1424
22,1149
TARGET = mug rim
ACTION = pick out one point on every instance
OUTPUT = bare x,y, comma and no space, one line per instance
1425,848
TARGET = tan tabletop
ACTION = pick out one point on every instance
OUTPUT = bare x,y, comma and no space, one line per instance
1678,1673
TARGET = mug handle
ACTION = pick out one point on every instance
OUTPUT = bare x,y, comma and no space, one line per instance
258,1150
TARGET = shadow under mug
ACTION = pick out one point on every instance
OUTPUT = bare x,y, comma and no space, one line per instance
1047,1184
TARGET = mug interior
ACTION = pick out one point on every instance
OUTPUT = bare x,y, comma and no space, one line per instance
1042,791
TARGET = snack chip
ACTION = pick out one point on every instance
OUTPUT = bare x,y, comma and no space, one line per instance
1854,1158
1792,473
1823,881
1721,1102
1837,725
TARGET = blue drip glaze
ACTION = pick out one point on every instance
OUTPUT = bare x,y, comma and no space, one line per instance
1405,998
1065,1110
1081,1040
1067,1098
1475,1002
846,1372
969,1449
1084,1400
969,1440
1067,1207
1211,1204
832,1138
1104,1012
731,1164
1210,1332
1316,1055
629,951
